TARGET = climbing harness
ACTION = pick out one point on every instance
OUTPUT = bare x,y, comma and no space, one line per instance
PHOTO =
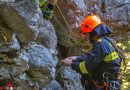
71,33
114,85
105,81
108,84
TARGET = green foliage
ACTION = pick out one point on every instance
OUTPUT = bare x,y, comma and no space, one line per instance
125,45
127,76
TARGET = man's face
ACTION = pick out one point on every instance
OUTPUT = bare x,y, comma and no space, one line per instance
85,35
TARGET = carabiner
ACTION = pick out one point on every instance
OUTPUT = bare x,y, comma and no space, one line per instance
106,76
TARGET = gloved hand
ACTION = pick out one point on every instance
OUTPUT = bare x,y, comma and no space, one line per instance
69,60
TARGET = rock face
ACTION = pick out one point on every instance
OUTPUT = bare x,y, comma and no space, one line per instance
42,63
47,36
28,48
16,23
69,20
29,60
71,79
53,86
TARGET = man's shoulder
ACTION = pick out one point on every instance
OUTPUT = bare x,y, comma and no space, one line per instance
101,41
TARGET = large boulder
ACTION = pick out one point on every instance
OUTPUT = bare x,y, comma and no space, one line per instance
43,29
14,70
16,23
46,35
40,61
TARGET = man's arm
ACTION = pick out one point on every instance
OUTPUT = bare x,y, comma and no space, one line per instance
89,60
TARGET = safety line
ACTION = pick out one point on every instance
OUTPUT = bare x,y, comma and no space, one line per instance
65,33
65,21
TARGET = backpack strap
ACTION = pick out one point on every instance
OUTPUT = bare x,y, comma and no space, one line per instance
120,53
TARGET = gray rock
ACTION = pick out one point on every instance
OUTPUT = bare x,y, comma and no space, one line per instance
12,70
4,72
39,57
71,79
44,30
54,85
40,61
26,80
47,36
73,13
16,23
29,9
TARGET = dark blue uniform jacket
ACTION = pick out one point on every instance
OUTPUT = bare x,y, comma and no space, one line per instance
101,58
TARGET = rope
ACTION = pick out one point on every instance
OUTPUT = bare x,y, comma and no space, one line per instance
69,51
65,33
73,40
65,21
61,70
32,10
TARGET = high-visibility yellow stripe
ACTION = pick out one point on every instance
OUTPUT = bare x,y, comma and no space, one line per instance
83,67
99,40
111,57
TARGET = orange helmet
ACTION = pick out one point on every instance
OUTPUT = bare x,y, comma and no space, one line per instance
89,23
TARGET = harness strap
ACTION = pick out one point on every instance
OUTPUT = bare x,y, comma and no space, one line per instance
106,84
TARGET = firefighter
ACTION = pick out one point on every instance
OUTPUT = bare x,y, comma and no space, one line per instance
99,67
47,10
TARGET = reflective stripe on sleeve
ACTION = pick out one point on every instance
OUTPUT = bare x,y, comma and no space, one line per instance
111,57
83,67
